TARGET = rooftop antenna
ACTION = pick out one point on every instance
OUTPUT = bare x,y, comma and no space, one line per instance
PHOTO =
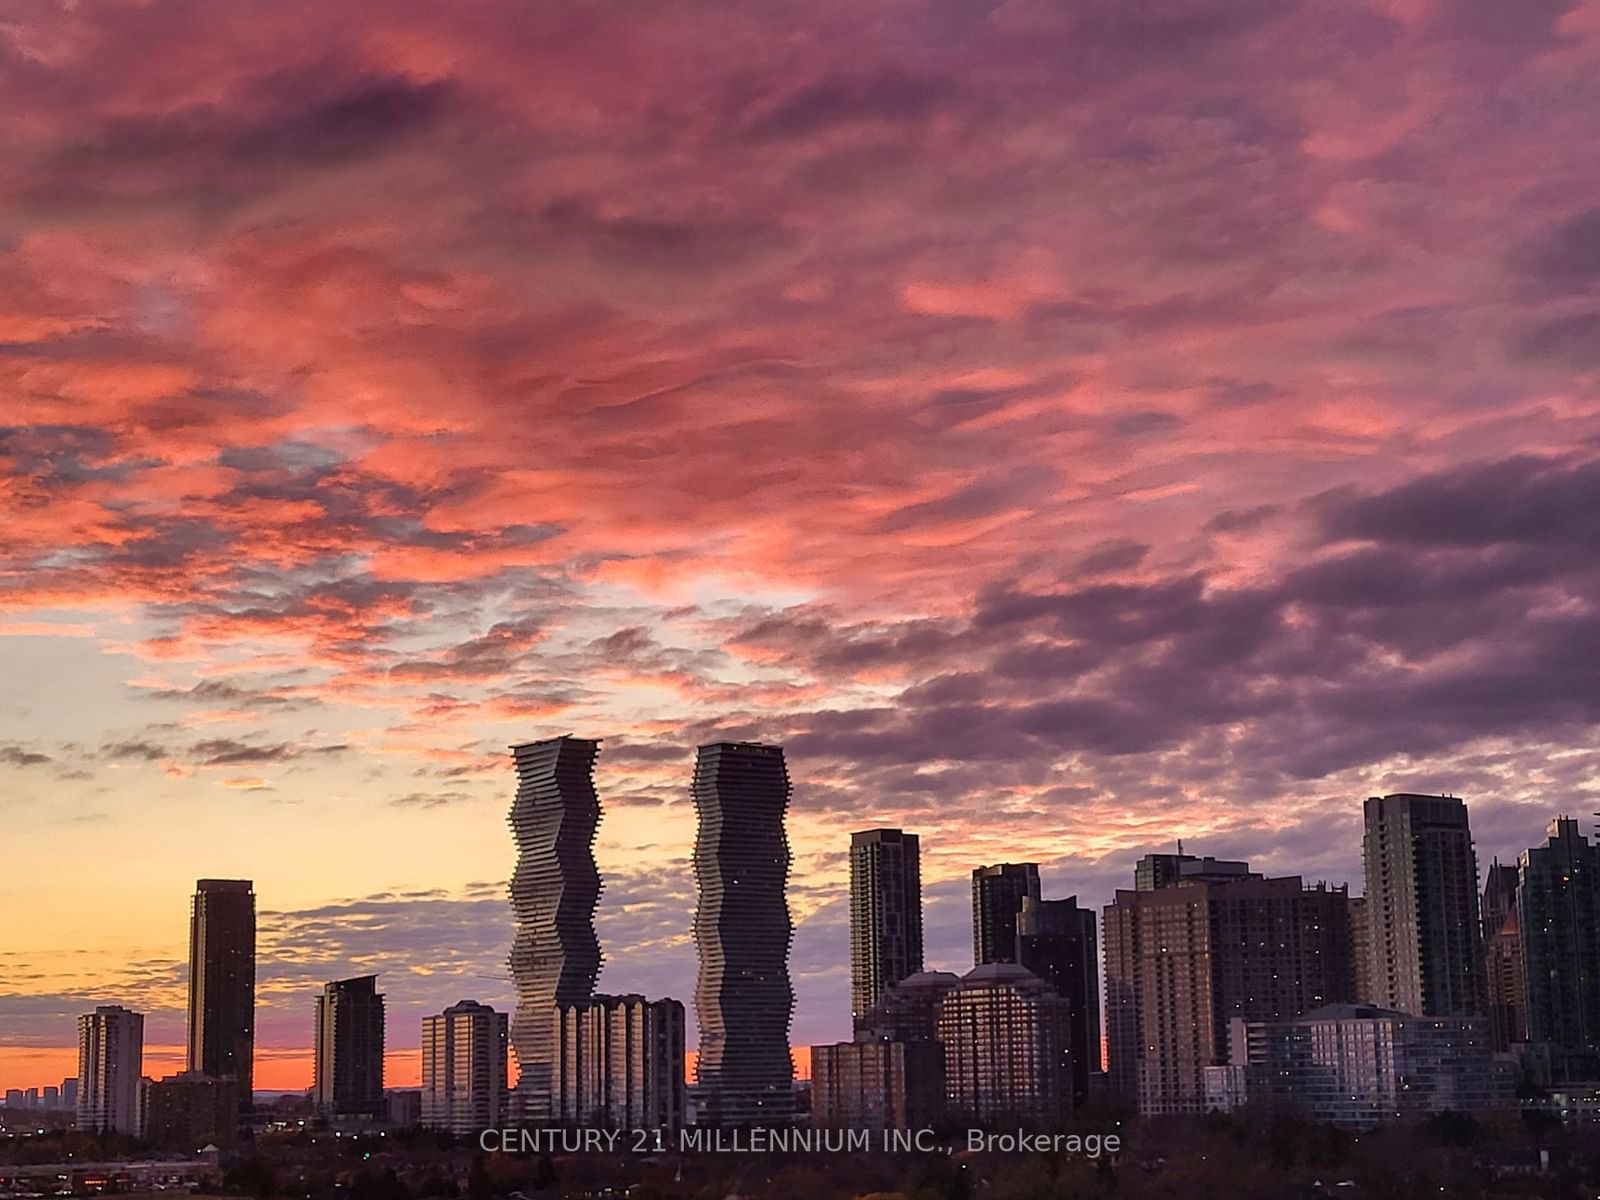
1180,840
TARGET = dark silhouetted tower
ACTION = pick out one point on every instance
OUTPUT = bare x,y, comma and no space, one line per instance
1558,915
1059,942
742,932
555,958
885,913
1499,897
997,895
349,1063
222,982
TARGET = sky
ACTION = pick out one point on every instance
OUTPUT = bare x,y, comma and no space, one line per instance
1066,428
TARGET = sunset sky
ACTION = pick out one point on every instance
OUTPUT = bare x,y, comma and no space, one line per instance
1065,426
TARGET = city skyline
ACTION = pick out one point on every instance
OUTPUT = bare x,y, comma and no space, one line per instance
1155,871
1065,429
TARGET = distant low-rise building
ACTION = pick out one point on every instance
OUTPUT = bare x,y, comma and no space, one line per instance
1227,1088
877,1085
1357,1065
191,1110
403,1107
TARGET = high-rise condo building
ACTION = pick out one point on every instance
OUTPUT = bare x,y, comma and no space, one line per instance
1558,913
997,895
555,957
1502,957
464,1068
1508,986
620,1063
1184,960
1426,945
1360,950
1059,942
349,1055
222,983
110,1062
1499,896
1007,1047
885,913
742,932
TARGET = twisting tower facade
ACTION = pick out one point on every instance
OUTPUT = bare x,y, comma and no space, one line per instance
742,932
555,958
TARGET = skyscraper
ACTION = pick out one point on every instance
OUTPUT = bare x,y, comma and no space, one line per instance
1360,950
885,913
742,932
1558,913
1502,957
464,1068
222,982
1058,942
1499,896
997,894
110,1063
1184,960
1508,986
349,1058
1426,945
555,957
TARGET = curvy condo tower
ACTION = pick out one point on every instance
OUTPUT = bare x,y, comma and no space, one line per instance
742,932
556,955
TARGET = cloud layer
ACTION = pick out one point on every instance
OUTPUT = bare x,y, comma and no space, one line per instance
1064,427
